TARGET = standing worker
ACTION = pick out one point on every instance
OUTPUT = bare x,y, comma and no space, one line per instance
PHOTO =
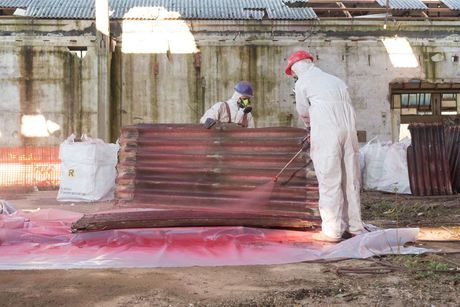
324,105
235,110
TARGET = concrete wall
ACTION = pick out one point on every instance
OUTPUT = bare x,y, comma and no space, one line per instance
39,74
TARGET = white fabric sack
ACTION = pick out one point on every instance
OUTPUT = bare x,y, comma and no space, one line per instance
374,155
87,170
395,174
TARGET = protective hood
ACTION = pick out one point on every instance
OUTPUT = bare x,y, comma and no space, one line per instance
234,99
301,67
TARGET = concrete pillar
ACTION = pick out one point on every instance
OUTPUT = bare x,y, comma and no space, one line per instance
103,60
395,122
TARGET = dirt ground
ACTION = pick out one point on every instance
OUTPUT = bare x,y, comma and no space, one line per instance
397,280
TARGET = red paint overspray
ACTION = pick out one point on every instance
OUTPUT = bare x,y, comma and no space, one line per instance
255,199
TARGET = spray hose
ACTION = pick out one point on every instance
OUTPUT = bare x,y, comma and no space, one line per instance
275,179
305,139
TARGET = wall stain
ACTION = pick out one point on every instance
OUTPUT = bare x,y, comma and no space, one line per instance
28,105
73,108
154,66
116,89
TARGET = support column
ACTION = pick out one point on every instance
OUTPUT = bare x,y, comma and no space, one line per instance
103,68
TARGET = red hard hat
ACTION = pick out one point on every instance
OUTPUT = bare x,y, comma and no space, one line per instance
295,57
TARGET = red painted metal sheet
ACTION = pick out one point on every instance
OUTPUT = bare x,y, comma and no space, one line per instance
411,165
428,160
189,167
453,151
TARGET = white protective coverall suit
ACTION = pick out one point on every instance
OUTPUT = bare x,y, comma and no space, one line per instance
219,112
323,103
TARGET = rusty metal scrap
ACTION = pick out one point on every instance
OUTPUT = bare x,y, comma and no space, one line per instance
453,151
202,177
152,218
428,160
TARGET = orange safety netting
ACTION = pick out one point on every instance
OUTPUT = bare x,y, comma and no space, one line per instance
29,166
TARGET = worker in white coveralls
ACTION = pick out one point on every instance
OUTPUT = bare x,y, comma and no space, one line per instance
324,105
235,110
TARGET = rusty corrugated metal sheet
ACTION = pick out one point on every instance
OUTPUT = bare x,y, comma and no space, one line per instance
453,152
187,166
428,160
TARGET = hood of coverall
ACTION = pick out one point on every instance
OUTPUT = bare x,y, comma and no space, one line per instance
302,66
234,99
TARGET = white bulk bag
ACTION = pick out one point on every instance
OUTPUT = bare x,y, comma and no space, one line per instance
395,174
87,170
374,155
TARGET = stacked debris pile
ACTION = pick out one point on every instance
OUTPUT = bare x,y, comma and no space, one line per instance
184,175
433,159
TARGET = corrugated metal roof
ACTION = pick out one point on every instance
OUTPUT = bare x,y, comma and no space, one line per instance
15,3
223,9
186,9
77,9
452,4
404,4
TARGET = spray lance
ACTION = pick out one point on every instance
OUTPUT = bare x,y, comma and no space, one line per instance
305,144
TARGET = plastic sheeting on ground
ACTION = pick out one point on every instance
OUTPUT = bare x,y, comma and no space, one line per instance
43,240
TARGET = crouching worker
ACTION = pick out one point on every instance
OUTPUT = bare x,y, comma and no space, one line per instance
235,110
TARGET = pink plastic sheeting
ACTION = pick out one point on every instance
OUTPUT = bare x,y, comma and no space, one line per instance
43,240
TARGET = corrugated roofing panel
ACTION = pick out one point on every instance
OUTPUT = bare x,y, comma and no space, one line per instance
452,4
428,160
15,3
187,9
404,4
76,9
294,14
226,167
295,1
452,135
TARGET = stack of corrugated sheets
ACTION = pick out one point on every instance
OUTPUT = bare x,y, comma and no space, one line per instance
173,175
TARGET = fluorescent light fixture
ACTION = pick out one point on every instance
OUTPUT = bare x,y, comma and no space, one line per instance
400,52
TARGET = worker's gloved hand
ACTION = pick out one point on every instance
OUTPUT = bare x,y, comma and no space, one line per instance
209,123
247,110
